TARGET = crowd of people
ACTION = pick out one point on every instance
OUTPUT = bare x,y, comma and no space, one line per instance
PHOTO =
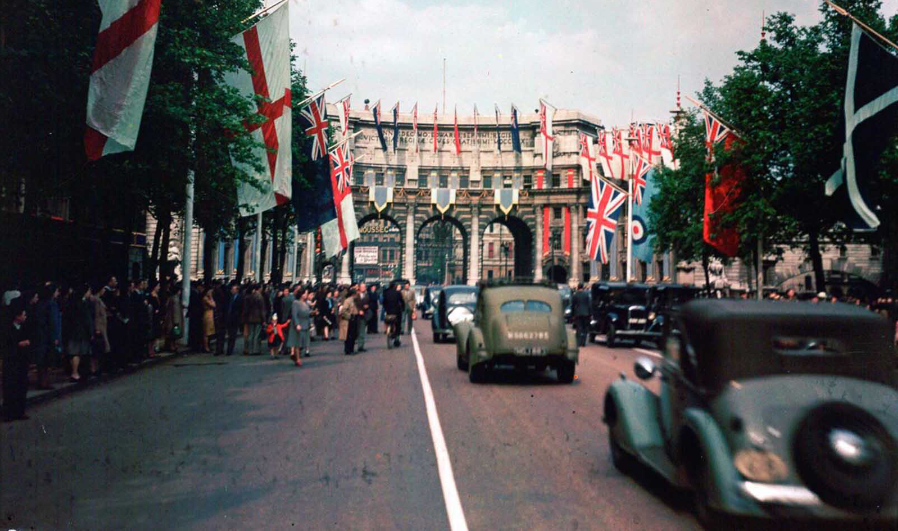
87,330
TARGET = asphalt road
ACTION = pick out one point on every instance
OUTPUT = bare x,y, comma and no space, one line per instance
345,442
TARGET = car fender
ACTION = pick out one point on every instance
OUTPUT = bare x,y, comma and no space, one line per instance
573,349
461,331
718,458
476,346
634,418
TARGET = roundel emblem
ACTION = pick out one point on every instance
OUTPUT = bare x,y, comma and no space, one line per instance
638,228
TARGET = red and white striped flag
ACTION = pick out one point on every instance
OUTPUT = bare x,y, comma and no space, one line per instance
266,46
546,114
120,75
415,124
457,140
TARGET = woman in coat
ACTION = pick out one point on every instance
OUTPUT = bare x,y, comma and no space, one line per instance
208,319
342,323
80,328
300,323
173,320
101,329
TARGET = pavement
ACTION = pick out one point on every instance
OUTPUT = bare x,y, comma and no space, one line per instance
386,439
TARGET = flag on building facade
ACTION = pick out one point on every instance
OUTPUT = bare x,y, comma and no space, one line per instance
498,136
442,198
380,196
541,184
457,140
652,144
587,157
342,229
721,197
343,109
266,46
566,231
435,130
515,130
395,112
640,168
546,114
506,199
620,154
870,117
314,206
415,125
603,152
120,75
643,240
375,111
601,219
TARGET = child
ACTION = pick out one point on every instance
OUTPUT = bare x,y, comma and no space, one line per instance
275,333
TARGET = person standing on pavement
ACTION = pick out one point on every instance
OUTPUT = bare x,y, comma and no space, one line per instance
16,358
394,307
208,319
220,296
40,322
79,329
580,310
364,302
254,317
408,296
233,315
154,300
300,325
375,307
350,314
101,347
173,320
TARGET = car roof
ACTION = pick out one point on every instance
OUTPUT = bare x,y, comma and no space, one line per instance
499,294
736,339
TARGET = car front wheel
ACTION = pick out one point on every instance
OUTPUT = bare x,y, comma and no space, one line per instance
459,362
624,462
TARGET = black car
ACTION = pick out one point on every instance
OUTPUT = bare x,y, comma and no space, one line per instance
639,312
566,299
601,294
454,305
431,296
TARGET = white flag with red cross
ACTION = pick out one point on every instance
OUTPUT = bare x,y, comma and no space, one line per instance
120,75
266,46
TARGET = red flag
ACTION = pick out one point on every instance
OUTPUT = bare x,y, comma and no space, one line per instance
567,217
540,184
721,198
457,141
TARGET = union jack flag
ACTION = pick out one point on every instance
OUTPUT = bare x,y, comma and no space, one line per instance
640,169
715,131
313,118
341,168
664,132
601,217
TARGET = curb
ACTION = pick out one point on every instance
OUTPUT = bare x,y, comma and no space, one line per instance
72,387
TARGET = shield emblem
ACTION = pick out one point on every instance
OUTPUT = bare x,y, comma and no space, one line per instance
381,196
506,198
443,198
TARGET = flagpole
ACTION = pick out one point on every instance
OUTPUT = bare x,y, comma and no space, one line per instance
320,92
759,271
844,12
630,230
257,257
345,140
264,11
709,111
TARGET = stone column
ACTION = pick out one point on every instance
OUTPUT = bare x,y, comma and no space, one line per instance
410,243
538,263
576,273
593,271
474,254
345,277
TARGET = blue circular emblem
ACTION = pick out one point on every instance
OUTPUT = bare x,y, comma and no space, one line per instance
638,228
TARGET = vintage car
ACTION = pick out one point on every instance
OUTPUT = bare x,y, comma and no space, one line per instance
601,294
566,299
429,304
518,325
768,410
626,315
453,305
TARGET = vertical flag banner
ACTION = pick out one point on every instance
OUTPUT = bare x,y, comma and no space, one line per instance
540,184
395,126
603,153
498,134
601,219
375,111
871,117
546,114
266,46
415,125
435,129
343,228
721,198
652,143
120,75
515,130
620,154
567,218
315,207
457,140
666,144
343,109
587,157
643,190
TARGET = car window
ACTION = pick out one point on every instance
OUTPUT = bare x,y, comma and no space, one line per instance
463,298
525,306
512,307
538,306
631,297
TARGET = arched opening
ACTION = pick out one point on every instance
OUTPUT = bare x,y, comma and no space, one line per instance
506,249
376,256
557,273
441,252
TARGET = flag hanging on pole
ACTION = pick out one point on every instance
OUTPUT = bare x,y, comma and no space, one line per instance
395,126
541,184
120,75
342,229
643,191
546,114
587,157
457,140
515,130
870,117
415,125
266,46
375,111
620,155
721,197
601,219
566,234
343,110
314,207
498,135
435,130
652,142
603,154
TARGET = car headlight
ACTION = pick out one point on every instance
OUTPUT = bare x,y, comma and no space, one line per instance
651,316
760,465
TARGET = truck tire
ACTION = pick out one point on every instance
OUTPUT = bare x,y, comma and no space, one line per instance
459,362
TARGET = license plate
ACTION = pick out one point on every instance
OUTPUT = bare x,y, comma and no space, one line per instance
530,351
637,321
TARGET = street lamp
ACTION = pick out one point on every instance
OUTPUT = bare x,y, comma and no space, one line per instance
506,248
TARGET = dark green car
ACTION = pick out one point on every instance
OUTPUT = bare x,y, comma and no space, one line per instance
768,410
518,325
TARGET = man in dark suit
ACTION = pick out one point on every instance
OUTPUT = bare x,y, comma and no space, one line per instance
233,314
365,307
580,309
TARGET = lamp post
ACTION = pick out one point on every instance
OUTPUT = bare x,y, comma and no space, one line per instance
505,247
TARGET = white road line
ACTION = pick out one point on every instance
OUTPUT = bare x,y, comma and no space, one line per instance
649,353
444,465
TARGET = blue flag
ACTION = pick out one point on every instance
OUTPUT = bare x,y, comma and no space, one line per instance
515,133
643,238
395,127
498,136
380,132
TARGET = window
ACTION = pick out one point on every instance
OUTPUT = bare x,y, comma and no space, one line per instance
492,250
400,178
518,181
391,254
528,182
538,306
358,178
556,180
444,181
383,255
487,182
507,181
463,182
422,182
379,179
556,213
489,273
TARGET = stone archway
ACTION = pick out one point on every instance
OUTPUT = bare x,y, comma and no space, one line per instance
519,254
441,251
557,273
381,248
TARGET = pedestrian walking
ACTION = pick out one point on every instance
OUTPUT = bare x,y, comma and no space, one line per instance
581,310
233,315
253,317
173,320
208,319
364,302
100,341
350,312
300,324
408,296
220,296
275,332
16,358
342,323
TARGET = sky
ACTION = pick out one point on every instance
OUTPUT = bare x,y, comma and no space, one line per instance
612,59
